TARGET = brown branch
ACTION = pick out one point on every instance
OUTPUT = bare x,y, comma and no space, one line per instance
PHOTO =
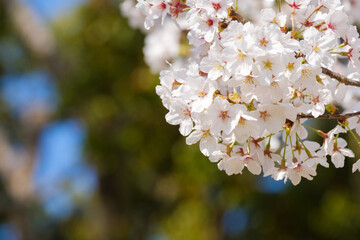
331,116
340,78
235,16
35,34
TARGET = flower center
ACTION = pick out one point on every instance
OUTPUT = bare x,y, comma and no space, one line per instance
264,115
216,6
210,22
316,48
186,113
202,94
219,67
268,65
315,100
162,6
305,73
224,115
290,66
263,42
332,26
248,80
242,121
241,55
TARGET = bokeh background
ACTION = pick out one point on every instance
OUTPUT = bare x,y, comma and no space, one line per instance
85,152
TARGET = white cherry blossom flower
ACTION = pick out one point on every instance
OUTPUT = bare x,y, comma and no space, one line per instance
232,165
214,65
205,26
200,91
337,22
224,117
162,45
268,68
236,31
238,60
340,152
268,15
180,113
330,138
215,7
316,47
153,9
244,90
265,40
247,126
207,141
297,4
272,117
301,170
269,160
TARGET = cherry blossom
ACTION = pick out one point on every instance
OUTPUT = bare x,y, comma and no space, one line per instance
245,88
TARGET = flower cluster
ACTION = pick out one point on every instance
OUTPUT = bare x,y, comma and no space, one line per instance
245,90
163,42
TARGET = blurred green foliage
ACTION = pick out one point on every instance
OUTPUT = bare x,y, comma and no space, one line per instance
151,185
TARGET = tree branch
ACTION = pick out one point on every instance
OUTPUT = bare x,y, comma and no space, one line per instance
340,78
331,116
235,16
35,34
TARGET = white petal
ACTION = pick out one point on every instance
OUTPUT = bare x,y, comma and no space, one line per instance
194,137
186,126
254,167
356,166
294,177
234,165
207,145
338,159
347,152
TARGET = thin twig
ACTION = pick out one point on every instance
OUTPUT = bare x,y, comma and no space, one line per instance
331,116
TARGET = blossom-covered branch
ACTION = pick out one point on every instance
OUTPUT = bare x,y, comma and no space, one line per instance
246,83
235,15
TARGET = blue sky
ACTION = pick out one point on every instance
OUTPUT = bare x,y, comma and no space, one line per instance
51,9
61,171
271,186
26,92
